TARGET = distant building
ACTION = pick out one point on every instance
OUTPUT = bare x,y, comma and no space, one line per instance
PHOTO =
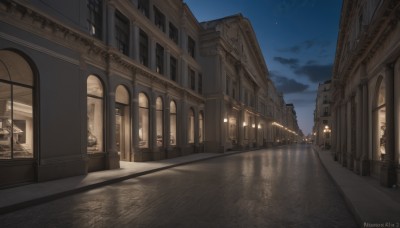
322,115
85,85
366,98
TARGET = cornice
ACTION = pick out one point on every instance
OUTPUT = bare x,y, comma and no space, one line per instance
371,40
34,21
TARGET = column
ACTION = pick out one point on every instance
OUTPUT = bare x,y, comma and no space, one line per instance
183,79
182,135
137,154
112,157
388,169
153,122
167,64
135,42
152,54
343,133
167,127
359,129
110,25
365,159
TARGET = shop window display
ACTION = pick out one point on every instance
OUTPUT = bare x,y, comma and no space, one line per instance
201,130
160,123
232,131
143,121
172,123
191,126
381,112
94,115
16,110
122,123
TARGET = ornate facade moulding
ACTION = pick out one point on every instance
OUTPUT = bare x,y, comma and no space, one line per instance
369,43
40,24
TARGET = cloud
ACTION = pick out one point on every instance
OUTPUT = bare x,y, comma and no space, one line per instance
306,45
315,73
293,63
288,85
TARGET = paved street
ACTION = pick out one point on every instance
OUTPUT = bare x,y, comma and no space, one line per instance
279,187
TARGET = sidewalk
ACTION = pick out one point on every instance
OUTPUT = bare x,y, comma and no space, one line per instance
371,204
32,194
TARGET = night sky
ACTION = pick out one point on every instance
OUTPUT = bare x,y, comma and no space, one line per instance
297,38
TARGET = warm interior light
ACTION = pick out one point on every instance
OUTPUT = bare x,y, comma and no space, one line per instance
225,120
244,124
253,126
259,126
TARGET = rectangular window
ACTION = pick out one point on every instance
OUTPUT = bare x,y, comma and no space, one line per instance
173,33
191,46
200,83
192,79
143,6
159,19
144,49
121,32
95,17
159,59
173,67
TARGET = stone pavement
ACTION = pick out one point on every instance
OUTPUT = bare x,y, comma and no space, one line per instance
28,195
371,204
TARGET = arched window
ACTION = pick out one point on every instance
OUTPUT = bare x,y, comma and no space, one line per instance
16,107
95,116
143,121
159,120
380,118
172,123
201,127
122,123
191,126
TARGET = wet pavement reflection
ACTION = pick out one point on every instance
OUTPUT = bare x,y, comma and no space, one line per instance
279,187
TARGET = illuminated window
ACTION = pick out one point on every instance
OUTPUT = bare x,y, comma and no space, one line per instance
191,126
172,122
380,118
143,121
16,107
159,121
94,115
122,123
201,127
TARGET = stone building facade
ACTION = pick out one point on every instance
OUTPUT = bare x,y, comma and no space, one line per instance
322,129
366,108
85,85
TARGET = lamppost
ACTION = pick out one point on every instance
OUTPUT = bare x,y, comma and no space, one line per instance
327,131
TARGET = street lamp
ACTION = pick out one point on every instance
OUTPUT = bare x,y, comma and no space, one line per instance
327,130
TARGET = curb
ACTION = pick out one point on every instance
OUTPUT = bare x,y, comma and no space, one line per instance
51,197
349,205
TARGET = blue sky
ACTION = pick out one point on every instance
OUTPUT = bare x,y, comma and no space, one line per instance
297,38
